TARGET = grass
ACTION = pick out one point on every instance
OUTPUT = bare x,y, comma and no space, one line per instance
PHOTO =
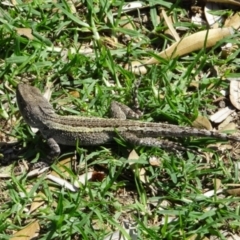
46,42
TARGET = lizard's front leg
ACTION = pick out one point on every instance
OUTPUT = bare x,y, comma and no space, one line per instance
54,153
54,149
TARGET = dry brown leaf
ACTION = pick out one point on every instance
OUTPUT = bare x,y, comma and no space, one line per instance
71,6
154,161
129,24
217,183
202,122
225,147
27,32
233,21
229,127
111,42
37,201
133,156
142,172
28,232
235,93
74,94
196,41
61,166
234,192
169,23
221,115
136,67
142,175
194,84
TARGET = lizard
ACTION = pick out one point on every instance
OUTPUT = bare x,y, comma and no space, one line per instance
89,131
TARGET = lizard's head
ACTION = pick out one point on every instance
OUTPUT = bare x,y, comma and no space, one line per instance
32,105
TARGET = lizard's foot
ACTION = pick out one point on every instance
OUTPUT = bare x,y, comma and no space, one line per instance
121,111
40,165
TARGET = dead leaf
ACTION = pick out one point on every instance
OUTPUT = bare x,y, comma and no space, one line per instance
202,122
154,161
27,32
127,22
194,42
133,156
71,6
136,67
169,23
142,172
229,127
66,163
224,147
217,183
227,124
234,192
111,42
38,201
221,115
233,21
28,232
235,93
74,94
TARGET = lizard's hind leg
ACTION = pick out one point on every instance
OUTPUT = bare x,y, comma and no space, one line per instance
154,142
